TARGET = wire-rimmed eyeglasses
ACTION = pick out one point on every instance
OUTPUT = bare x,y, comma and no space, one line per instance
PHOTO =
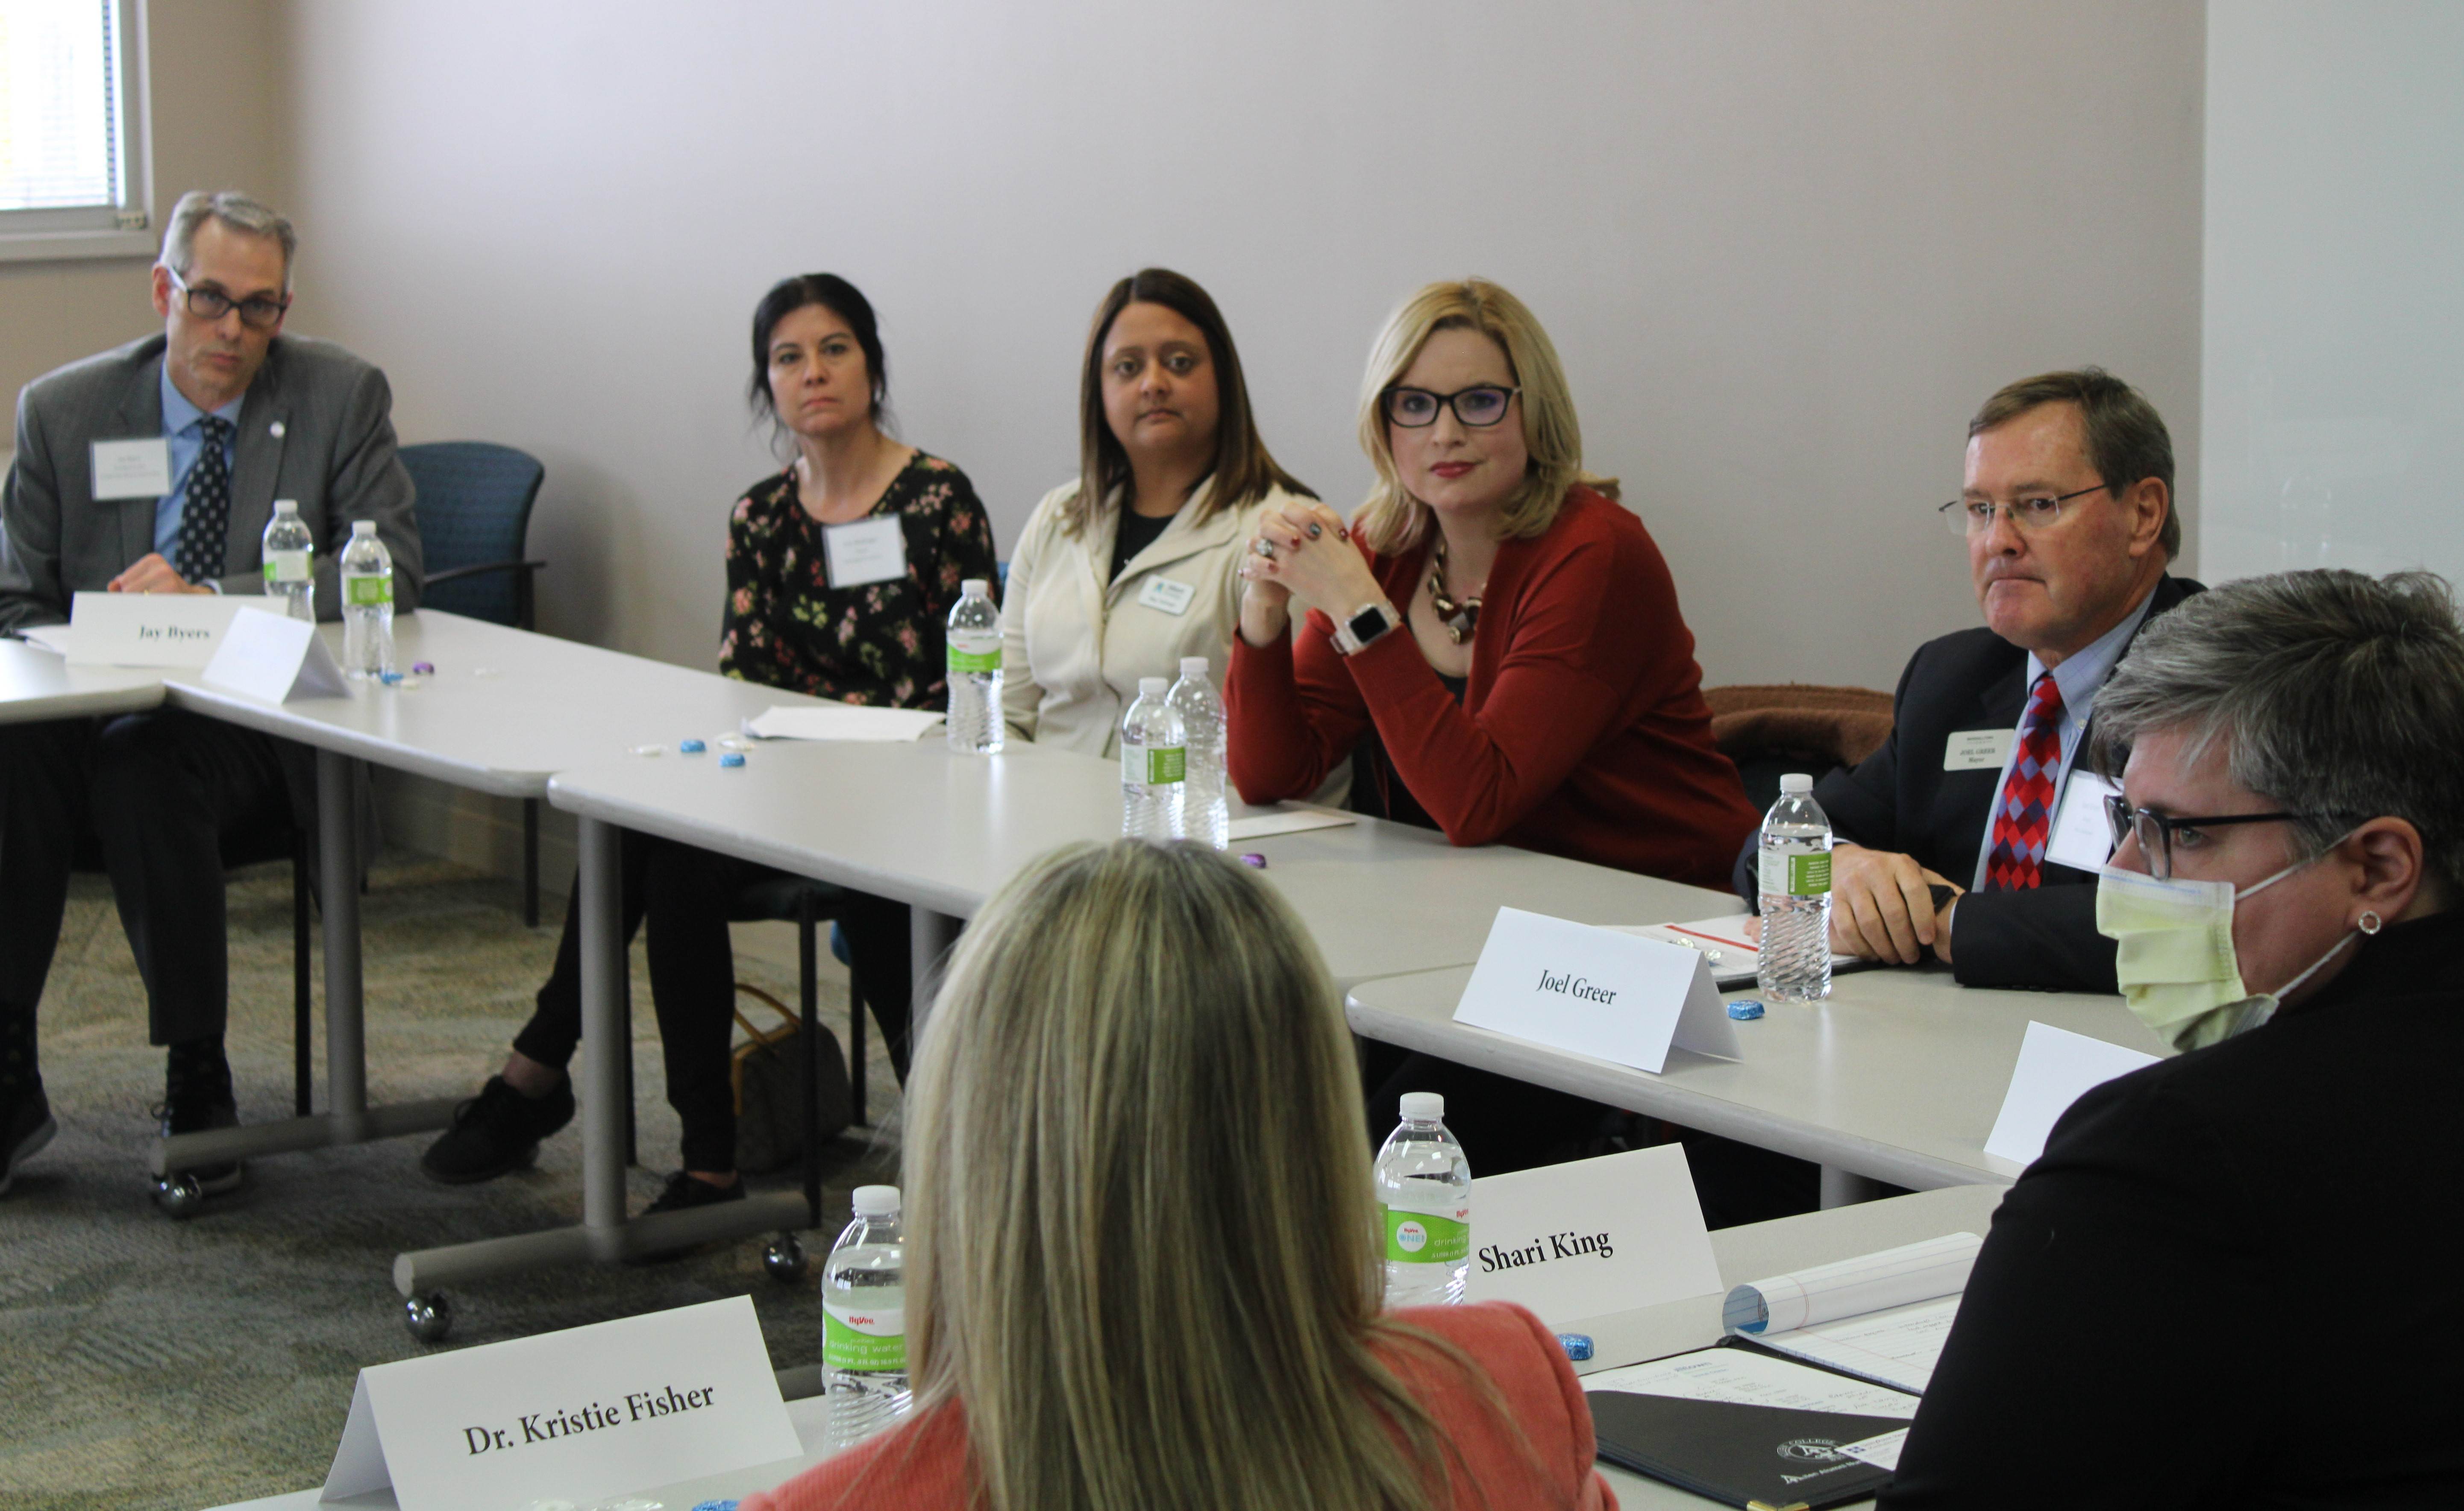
1974,516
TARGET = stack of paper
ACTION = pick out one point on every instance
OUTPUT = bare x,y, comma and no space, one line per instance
840,722
1723,943
1882,1317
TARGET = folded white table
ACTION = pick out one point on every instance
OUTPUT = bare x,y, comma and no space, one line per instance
1897,1078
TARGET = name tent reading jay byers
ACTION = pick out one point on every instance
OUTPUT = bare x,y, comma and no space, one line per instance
555,1424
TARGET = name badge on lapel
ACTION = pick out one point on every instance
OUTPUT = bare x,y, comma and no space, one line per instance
2081,839
1163,593
1977,750
865,552
137,469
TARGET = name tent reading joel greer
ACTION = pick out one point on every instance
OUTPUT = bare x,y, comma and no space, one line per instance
550,1426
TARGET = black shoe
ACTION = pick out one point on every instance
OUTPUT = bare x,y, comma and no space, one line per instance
684,1192
495,1132
199,1114
24,1126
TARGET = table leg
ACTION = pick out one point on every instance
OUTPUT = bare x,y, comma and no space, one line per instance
930,936
605,1049
1844,1188
347,1062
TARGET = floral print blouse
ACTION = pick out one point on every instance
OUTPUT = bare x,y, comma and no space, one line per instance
881,643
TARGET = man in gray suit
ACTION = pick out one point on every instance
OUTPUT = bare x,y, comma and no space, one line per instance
242,415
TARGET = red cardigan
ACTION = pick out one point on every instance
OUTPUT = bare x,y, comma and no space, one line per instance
1582,731
921,1464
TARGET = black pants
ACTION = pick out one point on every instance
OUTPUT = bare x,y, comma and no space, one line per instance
686,895
163,796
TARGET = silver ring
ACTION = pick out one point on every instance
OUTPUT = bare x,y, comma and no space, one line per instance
1263,547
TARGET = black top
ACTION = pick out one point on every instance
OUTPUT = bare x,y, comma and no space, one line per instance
1901,800
1377,788
2230,1281
1137,532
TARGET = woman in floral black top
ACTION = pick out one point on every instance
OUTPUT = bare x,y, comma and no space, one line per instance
899,531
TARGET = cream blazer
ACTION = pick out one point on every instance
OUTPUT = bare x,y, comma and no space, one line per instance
1074,645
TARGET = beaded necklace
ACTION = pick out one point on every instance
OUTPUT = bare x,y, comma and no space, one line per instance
1461,618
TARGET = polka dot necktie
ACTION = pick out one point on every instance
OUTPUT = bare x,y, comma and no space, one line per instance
2024,813
197,553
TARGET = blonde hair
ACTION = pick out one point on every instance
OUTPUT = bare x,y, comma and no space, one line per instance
1141,1237
1392,519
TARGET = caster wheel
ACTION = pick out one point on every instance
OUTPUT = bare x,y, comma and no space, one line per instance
784,1259
430,1317
179,1196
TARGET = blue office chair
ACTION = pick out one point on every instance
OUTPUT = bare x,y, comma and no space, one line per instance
474,517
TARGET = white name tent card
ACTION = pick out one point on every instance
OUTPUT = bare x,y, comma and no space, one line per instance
2055,1066
277,657
574,1415
1592,1238
137,469
1595,992
147,630
865,552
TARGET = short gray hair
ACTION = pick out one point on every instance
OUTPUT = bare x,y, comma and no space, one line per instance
2337,696
233,209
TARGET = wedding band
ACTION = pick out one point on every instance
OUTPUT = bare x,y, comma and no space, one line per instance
1264,547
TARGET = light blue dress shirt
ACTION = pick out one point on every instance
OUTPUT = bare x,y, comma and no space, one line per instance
2080,678
179,420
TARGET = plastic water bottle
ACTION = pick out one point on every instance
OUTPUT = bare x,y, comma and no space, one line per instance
1155,762
367,602
1424,1198
864,1321
1205,808
975,722
290,555
1795,964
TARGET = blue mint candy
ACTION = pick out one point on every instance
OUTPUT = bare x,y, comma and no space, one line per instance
732,758
1745,1010
1578,1345
691,747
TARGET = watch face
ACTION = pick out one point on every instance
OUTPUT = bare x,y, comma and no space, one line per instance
1367,625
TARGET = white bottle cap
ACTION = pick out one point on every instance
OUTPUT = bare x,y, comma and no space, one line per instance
1150,687
876,1201
1423,1106
1193,667
980,587
363,527
1797,782
286,506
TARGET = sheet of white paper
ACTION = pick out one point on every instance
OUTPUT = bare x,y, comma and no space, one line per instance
147,630
2054,1068
1895,1347
1723,942
581,1415
275,657
135,469
1294,821
54,637
842,724
1743,1377
1914,1272
1592,1237
2081,836
1883,1452
865,552
1595,992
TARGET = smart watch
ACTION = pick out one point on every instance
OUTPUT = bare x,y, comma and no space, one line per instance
1366,623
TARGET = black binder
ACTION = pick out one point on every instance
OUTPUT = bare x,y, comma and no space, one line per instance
1740,1455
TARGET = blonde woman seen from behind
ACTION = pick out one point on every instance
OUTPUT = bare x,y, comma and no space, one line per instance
1142,1270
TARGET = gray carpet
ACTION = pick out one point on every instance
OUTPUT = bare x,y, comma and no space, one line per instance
146,1363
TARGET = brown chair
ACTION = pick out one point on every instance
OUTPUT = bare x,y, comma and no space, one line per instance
1771,730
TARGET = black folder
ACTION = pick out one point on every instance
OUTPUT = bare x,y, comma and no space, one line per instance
1740,1455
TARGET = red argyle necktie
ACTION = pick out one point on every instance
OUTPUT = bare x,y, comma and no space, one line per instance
2024,813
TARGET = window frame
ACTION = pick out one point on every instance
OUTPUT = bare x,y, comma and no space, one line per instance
121,229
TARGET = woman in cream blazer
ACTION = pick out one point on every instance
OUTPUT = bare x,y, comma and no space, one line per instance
1170,454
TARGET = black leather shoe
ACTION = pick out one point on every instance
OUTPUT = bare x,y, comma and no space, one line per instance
684,1192
497,1131
199,1114
24,1126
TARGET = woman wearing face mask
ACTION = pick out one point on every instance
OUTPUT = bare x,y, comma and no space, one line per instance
1129,568
2188,1300
1494,648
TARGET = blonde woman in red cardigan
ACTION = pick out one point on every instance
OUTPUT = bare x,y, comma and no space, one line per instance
1143,1266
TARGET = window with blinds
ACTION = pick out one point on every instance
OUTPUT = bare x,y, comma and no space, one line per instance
69,168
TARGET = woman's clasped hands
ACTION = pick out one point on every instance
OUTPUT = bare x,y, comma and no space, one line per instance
1301,551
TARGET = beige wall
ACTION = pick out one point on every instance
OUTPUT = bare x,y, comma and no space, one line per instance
220,120
1784,247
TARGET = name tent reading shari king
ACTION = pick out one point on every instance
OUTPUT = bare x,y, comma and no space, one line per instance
1556,1246
549,1425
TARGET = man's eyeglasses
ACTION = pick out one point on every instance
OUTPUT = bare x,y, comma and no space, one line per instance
2155,831
260,312
1479,406
1974,516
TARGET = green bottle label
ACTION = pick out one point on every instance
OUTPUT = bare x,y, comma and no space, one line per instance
369,592
870,1341
1168,763
286,566
1423,1238
1796,875
962,661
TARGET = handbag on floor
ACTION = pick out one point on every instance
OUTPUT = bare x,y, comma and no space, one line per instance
769,1080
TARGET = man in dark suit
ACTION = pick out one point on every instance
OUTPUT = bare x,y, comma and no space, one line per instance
1944,833
235,415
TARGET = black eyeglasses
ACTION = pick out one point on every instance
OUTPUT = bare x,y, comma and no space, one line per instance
2155,831
1974,516
1479,406
260,312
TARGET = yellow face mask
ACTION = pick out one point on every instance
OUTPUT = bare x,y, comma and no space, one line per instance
2175,959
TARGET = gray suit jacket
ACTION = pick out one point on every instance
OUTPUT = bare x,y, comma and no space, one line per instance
316,426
